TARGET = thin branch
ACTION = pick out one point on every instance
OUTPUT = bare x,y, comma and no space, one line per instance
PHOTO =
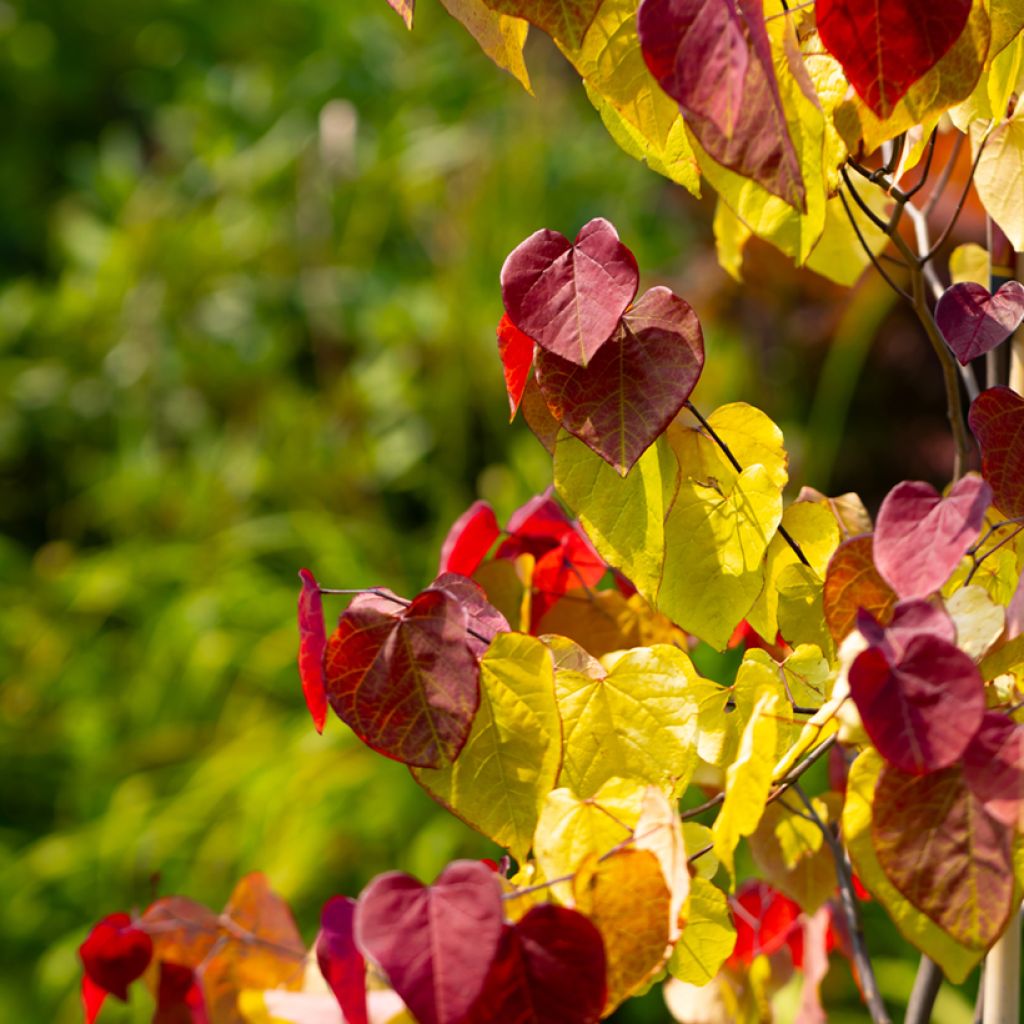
926,988
844,874
694,812
867,248
940,186
710,430
926,170
377,592
700,853
959,206
865,209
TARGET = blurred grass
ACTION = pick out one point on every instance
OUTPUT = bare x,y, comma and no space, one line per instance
248,289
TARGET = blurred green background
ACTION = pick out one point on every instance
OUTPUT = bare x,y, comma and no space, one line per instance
248,290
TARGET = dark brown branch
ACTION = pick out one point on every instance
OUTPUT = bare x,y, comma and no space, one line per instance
926,170
865,209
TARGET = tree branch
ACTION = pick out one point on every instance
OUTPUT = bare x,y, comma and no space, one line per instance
922,996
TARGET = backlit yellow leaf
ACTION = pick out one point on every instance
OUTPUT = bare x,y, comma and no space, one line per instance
500,36
999,177
969,262
708,935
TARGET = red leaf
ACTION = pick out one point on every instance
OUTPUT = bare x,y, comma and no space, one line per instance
922,709
469,539
764,919
341,963
114,954
994,768
93,997
483,620
569,297
550,969
974,322
920,537
516,351
179,997
997,419
632,389
312,643
886,46
852,582
713,57
435,943
909,619
406,683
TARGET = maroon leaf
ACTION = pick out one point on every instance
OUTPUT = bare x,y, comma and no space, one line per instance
407,684
764,919
469,539
922,709
341,963
312,644
714,59
550,969
909,619
632,389
974,322
516,351
114,954
997,419
994,768
920,537
179,996
435,943
569,297
483,621
885,46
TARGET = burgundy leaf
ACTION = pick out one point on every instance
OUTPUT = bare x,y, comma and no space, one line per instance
114,954
567,20
483,620
909,619
550,969
632,389
886,46
312,644
435,943
179,996
997,419
516,352
469,539
974,322
994,768
341,963
406,683
713,57
922,709
569,297
920,537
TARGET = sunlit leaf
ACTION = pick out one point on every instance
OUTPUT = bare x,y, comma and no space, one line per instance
974,321
852,582
708,936
312,644
470,538
499,36
1000,172
566,21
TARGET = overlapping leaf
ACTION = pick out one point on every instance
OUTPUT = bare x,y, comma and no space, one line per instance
708,936
516,352
997,419
999,172
471,536
974,321
852,582
993,768
340,961
566,21
629,392
501,37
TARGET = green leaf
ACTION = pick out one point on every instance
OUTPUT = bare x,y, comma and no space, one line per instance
512,757
708,935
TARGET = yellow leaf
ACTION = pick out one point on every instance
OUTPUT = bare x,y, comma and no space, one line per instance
659,830
999,177
511,760
638,721
956,960
626,897
570,828
697,837
731,237
639,115
979,621
1007,17
717,1002
969,262
506,582
815,530
708,935
1004,659
801,608
500,36
991,96
748,780
838,254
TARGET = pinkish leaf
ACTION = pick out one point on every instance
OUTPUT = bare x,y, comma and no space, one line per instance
550,969
920,537
516,352
632,389
714,59
404,9
974,322
312,644
567,296
469,539
483,620
994,768
921,709
341,963
997,419
909,619
435,943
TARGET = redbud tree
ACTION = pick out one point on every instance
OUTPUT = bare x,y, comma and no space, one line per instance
541,686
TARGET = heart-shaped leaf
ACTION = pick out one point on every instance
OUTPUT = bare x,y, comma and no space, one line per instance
997,419
974,322
115,953
922,708
406,683
920,536
340,961
714,58
567,296
516,352
312,644
994,768
852,583
885,47
631,390
550,970
435,943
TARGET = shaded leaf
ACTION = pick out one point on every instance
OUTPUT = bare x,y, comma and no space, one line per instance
994,768
567,296
113,955
997,420
973,321
339,959
764,919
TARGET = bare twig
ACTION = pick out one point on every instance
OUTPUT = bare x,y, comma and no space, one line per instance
867,248
940,186
959,206
922,996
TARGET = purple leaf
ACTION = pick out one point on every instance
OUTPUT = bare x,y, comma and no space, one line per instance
974,322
